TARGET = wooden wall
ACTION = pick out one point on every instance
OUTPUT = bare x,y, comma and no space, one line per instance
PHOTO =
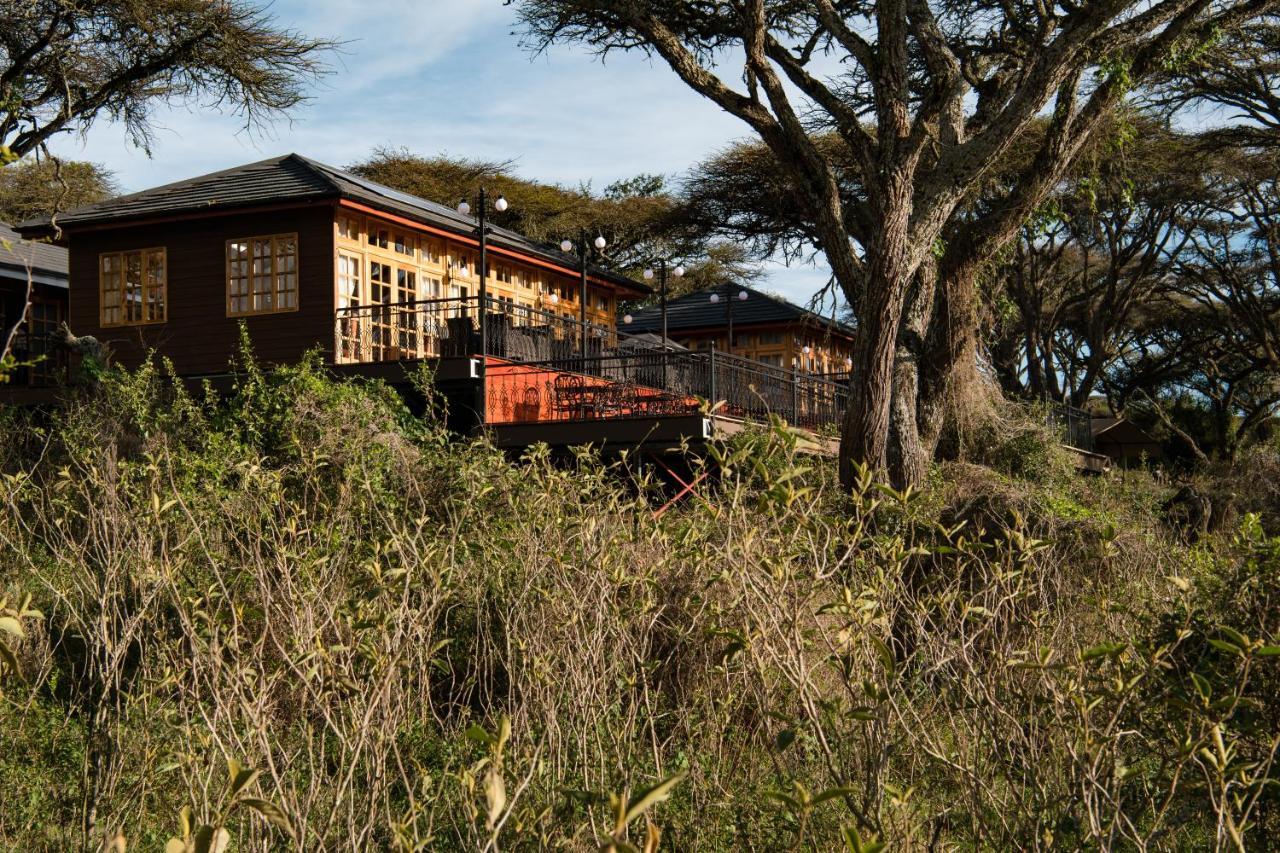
198,336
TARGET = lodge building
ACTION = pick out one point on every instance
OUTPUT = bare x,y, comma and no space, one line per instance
306,257
764,328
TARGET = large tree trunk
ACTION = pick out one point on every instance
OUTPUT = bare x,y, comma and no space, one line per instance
865,435
910,448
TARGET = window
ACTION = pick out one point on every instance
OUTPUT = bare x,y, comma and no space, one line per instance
132,287
432,251
502,273
403,244
380,238
461,264
348,228
262,275
349,291
379,283
406,285
768,338
772,360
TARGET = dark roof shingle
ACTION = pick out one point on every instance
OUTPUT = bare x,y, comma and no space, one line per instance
47,263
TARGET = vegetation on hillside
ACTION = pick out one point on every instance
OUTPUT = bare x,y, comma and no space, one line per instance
302,619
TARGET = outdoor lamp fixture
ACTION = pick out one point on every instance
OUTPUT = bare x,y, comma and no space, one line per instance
482,232
627,318
715,300
584,252
677,272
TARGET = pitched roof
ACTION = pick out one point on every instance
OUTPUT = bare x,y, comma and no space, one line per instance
291,178
696,311
47,263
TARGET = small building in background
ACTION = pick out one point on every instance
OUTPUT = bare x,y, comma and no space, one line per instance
43,268
1124,442
765,328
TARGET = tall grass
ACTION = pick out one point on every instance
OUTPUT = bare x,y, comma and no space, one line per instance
302,619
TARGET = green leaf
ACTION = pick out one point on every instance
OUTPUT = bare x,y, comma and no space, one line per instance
12,626
785,738
1224,646
650,797
1268,651
886,656
175,845
478,734
242,780
1103,650
271,812
832,793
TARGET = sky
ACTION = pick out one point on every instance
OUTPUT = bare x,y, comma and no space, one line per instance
450,76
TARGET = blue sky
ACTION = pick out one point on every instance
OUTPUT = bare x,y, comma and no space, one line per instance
449,76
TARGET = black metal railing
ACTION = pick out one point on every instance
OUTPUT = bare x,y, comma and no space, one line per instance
441,328
644,384
1072,424
558,368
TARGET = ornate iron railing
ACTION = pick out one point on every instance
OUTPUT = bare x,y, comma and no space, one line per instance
645,384
440,328
556,368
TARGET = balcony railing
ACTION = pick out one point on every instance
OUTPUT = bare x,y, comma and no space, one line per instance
554,368
646,384
441,328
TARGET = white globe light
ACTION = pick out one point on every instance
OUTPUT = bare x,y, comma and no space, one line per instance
742,296
566,245
555,297
806,349
626,318
648,273
501,204
601,242
715,297
678,272
463,207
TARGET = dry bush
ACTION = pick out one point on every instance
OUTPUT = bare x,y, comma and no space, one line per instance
414,644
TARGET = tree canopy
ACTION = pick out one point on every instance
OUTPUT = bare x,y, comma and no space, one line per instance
63,63
32,188
927,98
641,217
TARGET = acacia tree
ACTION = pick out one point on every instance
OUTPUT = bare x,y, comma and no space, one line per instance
927,97
1085,267
638,216
63,63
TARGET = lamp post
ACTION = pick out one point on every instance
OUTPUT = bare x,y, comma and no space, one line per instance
482,207
677,272
742,297
584,252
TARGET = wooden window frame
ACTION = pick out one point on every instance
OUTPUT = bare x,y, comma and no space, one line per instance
275,280
120,256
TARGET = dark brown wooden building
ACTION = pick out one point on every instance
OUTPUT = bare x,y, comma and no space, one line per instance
38,272
287,246
308,257
764,328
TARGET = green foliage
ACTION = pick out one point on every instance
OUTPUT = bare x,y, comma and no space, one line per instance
417,644
31,188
